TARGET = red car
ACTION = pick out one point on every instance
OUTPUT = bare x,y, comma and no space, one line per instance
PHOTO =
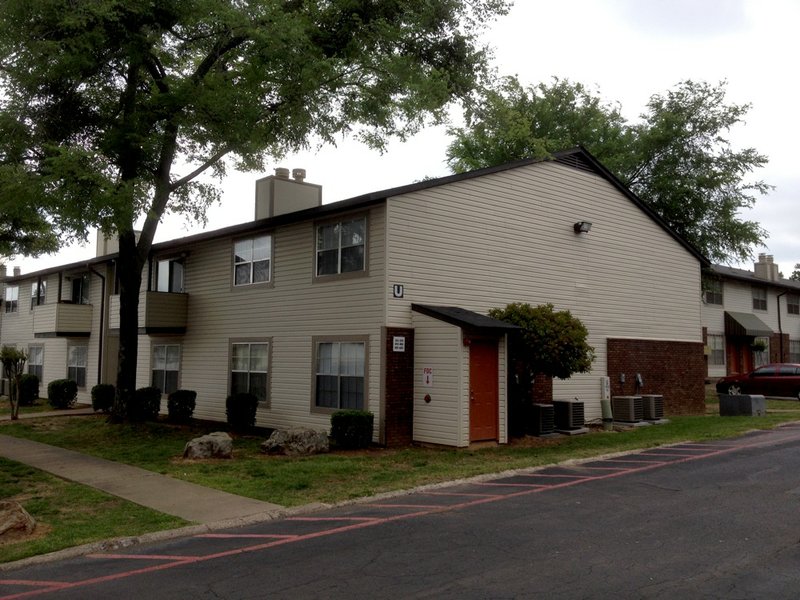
780,380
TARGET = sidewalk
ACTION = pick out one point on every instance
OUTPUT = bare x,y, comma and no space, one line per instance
171,496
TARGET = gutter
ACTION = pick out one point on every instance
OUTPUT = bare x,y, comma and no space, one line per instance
102,321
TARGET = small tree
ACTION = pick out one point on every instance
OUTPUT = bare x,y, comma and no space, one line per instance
13,364
550,343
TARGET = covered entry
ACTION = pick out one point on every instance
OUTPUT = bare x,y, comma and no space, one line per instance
460,376
741,329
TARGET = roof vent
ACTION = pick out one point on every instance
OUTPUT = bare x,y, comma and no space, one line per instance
282,173
299,175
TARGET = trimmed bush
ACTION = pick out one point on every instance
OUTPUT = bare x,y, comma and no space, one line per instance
28,389
146,404
62,393
240,409
180,405
352,429
103,397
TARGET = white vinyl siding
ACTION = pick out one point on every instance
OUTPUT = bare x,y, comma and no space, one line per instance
513,240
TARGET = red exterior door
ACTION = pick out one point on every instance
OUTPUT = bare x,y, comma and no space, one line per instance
484,402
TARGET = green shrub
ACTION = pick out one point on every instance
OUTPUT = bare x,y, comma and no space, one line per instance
240,409
145,405
62,393
351,428
180,405
28,389
103,397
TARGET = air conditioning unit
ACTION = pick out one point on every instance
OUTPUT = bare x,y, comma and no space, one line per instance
628,409
568,414
652,407
543,419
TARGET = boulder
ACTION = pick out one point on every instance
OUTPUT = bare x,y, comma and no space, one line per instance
214,445
296,441
15,520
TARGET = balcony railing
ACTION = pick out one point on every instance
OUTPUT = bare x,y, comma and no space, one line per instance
62,320
159,312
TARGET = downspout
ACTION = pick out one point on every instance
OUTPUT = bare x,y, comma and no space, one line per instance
102,321
780,328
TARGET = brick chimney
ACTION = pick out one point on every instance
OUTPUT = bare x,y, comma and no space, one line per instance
765,268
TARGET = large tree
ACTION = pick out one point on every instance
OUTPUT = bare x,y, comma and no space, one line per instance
113,108
676,158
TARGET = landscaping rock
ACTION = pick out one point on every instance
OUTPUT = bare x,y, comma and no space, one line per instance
214,445
296,441
15,520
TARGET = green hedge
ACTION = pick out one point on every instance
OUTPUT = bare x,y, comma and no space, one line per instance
351,428
146,404
28,389
180,405
62,393
240,410
103,397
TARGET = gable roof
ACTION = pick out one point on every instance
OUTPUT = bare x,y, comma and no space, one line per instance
466,319
577,158
749,277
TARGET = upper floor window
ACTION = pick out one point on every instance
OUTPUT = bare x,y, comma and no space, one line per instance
712,291
339,374
36,361
341,247
77,359
166,366
169,275
793,304
12,298
80,289
759,298
252,260
38,292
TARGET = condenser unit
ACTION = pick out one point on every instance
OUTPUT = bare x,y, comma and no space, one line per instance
652,407
568,414
542,419
627,408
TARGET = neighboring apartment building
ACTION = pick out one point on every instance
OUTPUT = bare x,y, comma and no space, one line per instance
379,302
750,318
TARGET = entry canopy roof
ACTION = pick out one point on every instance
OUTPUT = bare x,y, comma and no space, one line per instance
745,324
466,319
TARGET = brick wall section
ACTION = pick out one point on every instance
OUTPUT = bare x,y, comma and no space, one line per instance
542,392
676,370
399,390
775,348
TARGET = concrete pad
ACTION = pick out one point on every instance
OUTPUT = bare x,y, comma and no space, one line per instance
171,496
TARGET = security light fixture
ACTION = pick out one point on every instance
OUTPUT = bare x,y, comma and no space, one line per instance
582,227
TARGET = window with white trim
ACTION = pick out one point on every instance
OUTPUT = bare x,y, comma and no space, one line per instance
38,292
36,361
793,304
12,298
759,298
794,351
716,350
712,291
77,360
341,247
252,260
339,381
166,367
250,368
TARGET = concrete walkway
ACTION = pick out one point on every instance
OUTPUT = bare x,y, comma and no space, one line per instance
171,496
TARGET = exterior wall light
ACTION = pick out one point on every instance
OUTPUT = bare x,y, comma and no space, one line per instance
582,227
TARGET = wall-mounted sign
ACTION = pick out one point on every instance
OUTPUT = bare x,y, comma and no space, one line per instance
398,343
398,290
427,376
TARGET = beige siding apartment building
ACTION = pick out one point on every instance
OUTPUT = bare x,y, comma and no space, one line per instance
750,318
380,302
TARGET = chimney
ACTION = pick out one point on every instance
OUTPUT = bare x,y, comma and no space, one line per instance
278,195
17,271
766,268
110,244
3,271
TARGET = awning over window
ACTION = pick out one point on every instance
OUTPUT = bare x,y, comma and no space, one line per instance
745,324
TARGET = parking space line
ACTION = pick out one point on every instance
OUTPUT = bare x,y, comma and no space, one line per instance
143,556
225,536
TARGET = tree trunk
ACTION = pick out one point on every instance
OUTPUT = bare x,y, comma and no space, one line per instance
129,273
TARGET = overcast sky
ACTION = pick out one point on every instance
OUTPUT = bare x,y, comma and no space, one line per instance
627,50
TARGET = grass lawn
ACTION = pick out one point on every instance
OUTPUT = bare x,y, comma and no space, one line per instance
351,474
40,405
